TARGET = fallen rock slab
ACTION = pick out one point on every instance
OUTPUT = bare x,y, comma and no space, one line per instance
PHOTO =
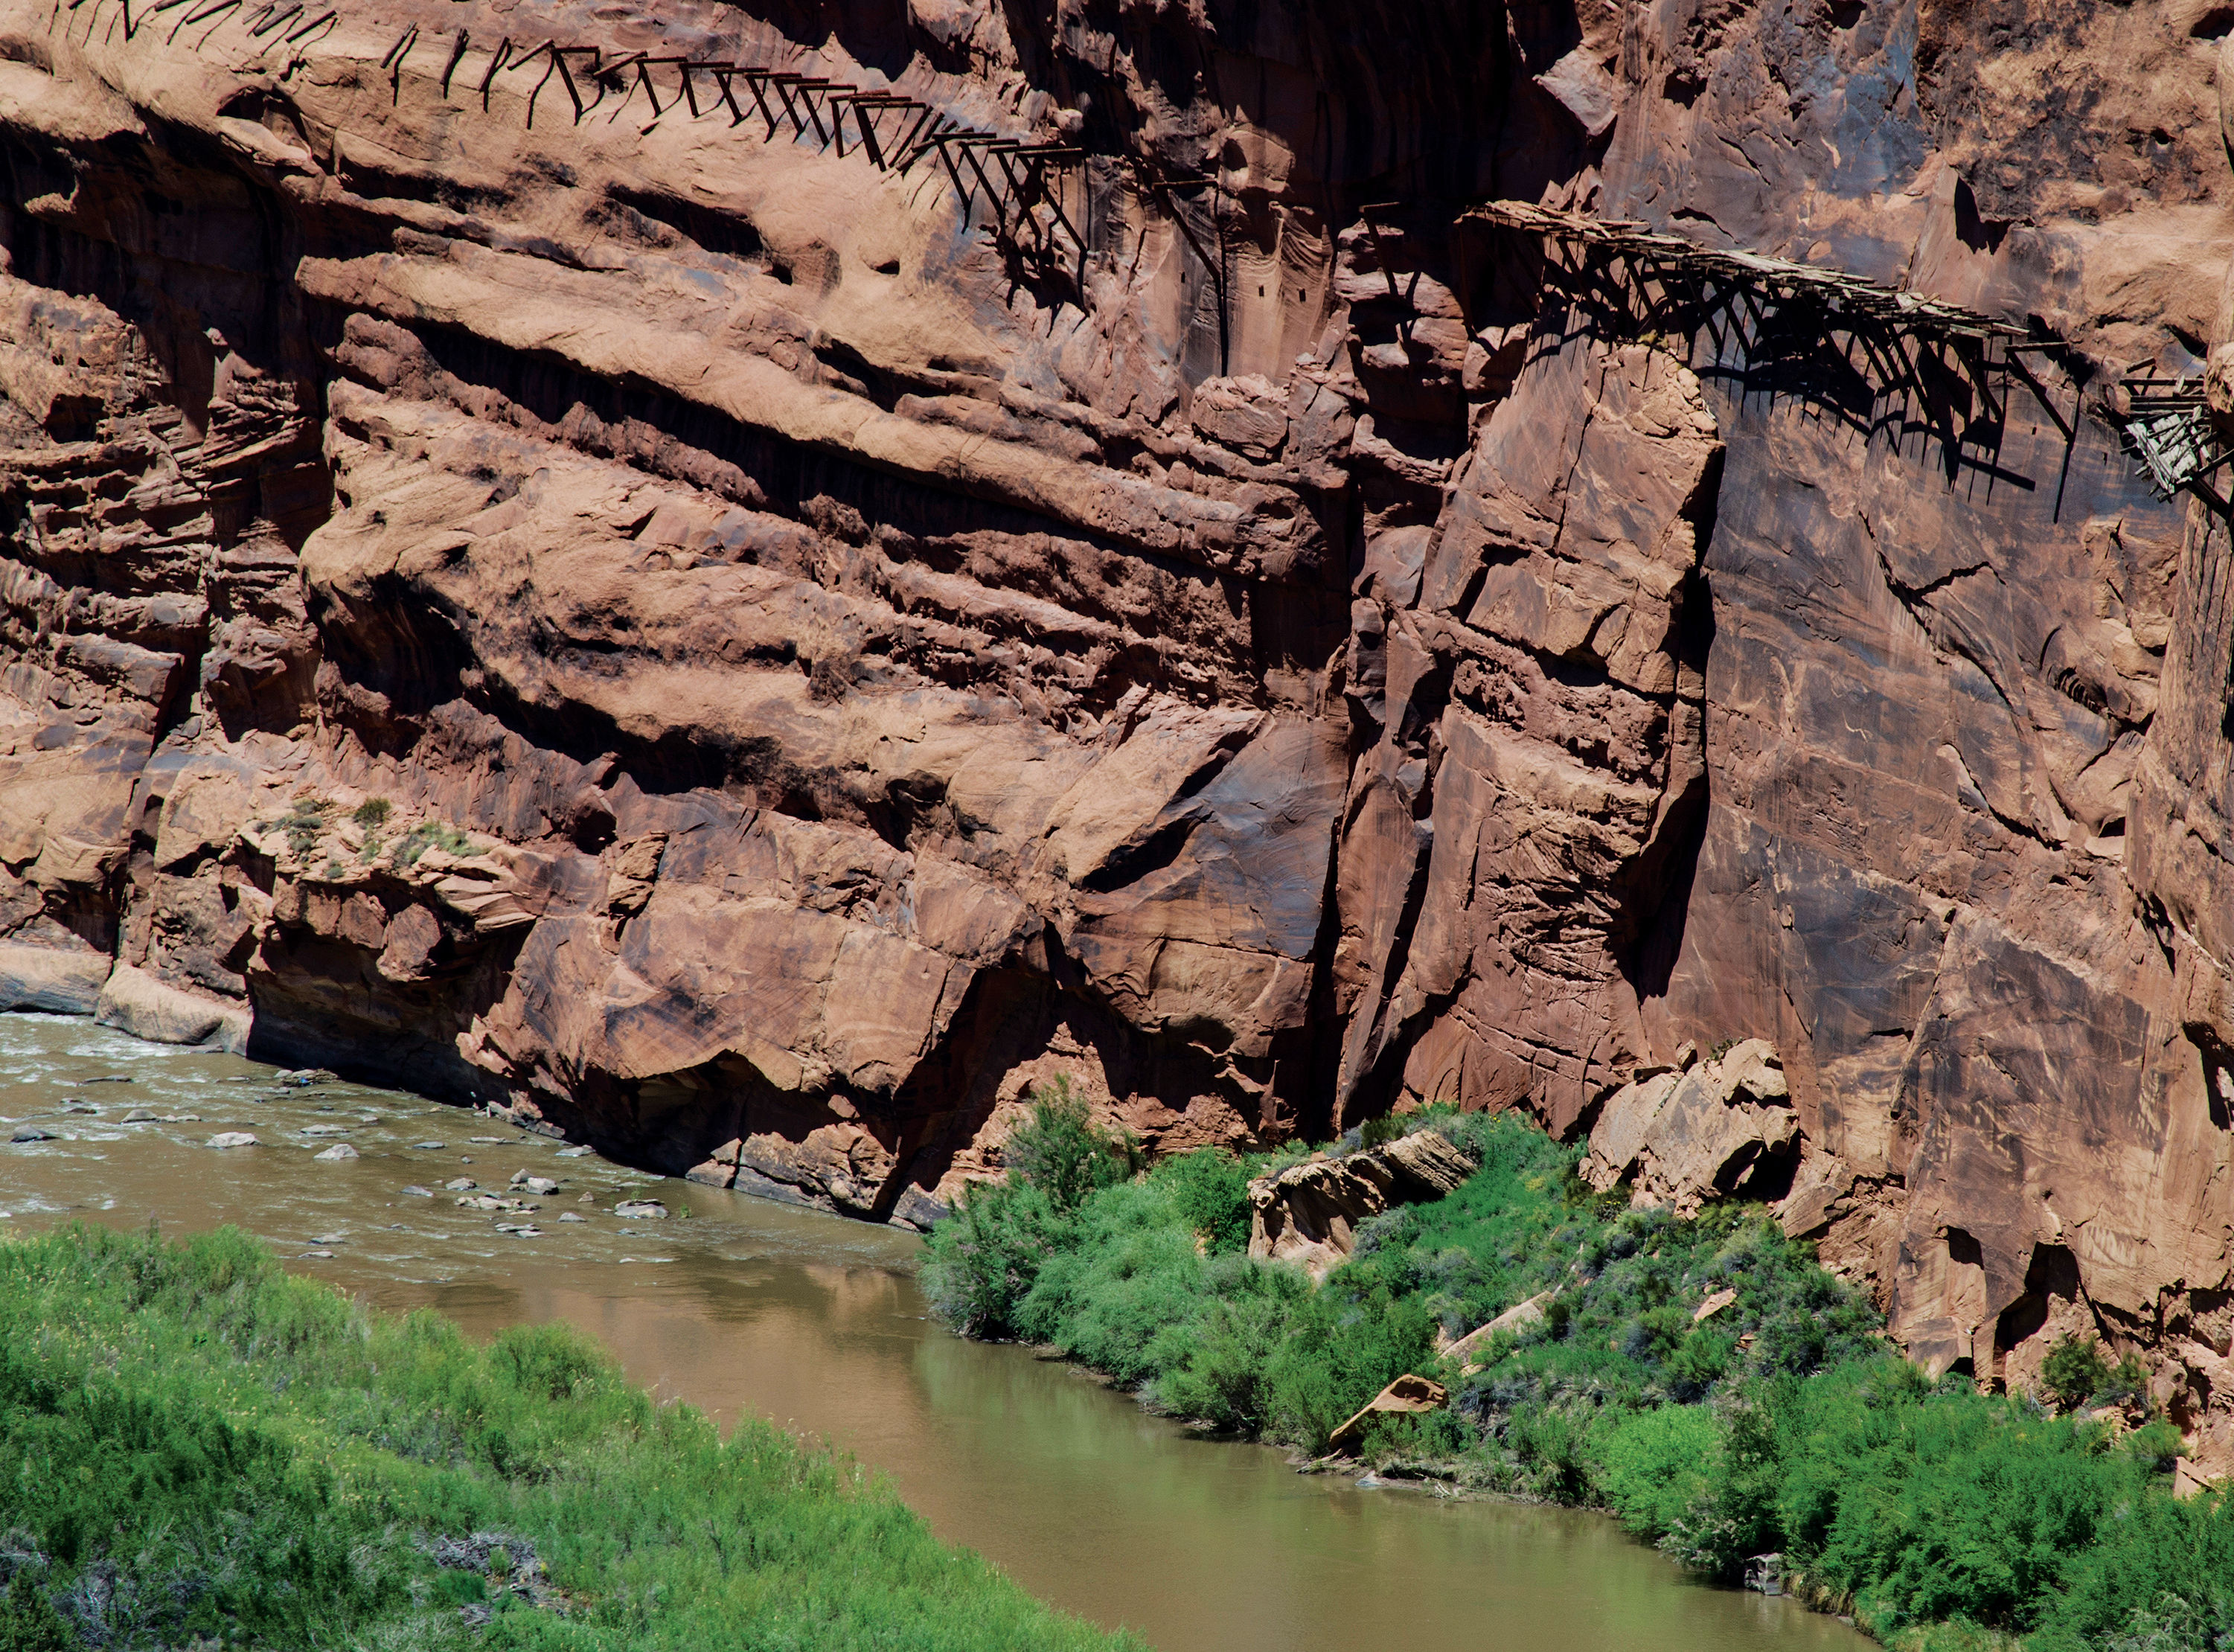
1714,1305
1516,1318
1309,1213
1407,1392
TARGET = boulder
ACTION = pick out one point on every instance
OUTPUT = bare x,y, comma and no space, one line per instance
1684,1138
641,1210
226,1138
29,1133
337,1154
522,1182
139,1003
65,983
1407,1392
1309,1213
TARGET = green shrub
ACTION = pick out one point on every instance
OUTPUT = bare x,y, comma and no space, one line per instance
303,824
1654,1466
29,1621
1062,1152
1128,1274
1345,1342
2176,1622
1210,1192
1950,1520
2073,1372
371,814
1223,1373
430,834
986,1256
1376,1131
196,1448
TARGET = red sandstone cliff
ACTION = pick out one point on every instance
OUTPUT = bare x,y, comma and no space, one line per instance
1251,639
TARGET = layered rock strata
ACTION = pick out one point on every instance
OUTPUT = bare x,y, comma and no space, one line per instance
688,637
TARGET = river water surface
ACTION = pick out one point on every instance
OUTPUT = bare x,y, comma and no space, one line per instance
748,1308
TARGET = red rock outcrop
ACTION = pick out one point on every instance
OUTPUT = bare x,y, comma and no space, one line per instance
832,653
1683,1136
1309,1213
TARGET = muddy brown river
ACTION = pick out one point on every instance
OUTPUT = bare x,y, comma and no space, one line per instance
751,1308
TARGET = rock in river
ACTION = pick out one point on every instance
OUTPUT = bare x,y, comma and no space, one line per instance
335,1153
225,1138
641,1210
28,1132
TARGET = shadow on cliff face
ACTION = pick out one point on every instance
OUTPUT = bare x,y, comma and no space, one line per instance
1666,873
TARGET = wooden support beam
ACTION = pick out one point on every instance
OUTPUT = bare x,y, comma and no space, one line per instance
215,8
457,56
496,61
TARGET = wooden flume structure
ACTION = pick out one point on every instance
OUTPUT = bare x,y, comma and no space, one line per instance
1884,361
2169,431
1019,180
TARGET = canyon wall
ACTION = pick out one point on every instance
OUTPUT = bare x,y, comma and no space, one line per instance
749,649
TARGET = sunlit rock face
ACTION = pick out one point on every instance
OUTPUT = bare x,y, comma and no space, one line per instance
685,635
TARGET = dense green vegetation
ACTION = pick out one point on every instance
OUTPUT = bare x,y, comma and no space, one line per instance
1781,1423
195,1448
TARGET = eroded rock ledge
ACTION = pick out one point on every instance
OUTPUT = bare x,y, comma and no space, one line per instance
826,673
